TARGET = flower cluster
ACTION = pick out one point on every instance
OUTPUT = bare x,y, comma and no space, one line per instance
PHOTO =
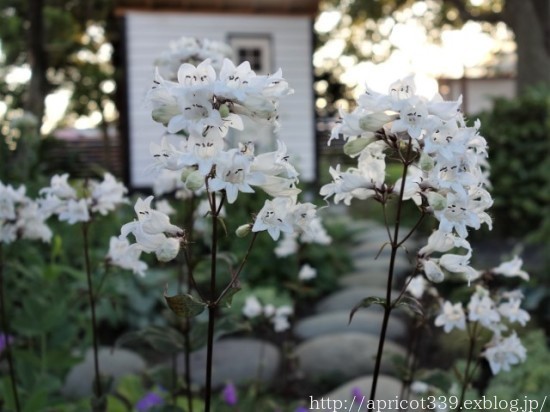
277,316
445,162
191,50
204,105
20,216
492,311
61,199
153,233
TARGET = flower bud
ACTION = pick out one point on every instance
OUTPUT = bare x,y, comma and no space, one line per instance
185,172
375,121
243,230
354,147
433,271
426,162
224,110
194,181
437,201
168,249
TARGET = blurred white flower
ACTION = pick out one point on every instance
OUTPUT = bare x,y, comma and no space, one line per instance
307,272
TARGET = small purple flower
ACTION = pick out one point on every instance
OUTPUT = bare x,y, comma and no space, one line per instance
230,394
301,409
148,401
4,340
356,392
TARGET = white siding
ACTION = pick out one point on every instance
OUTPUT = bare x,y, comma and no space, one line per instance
147,34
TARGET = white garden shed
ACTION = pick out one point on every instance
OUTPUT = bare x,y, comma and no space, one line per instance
271,33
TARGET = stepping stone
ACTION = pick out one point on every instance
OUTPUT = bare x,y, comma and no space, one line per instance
366,279
115,363
369,264
343,356
346,299
239,360
387,389
363,322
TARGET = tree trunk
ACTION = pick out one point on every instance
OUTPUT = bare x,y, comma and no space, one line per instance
36,96
530,21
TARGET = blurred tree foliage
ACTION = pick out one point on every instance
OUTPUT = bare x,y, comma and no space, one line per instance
518,134
366,25
66,45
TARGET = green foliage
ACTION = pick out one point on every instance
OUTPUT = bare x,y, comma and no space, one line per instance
518,134
530,378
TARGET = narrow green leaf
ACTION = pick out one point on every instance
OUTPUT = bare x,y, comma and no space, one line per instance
222,222
185,305
365,303
411,304
161,339
227,299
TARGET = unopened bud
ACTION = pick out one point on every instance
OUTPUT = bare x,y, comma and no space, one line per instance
194,181
437,201
433,272
354,147
243,230
426,162
224,110
375,121
168,250
185,172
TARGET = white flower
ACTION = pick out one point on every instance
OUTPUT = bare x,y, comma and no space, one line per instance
233,175
126,256
31,222
274,217
287,246
149,231
416,286
59,187
275,163
511,311
107,195
347,185
511,268
481,308
432,271
307,272
452,316
166,156
75,211
505,352
413,115
252,307
280,318
457,215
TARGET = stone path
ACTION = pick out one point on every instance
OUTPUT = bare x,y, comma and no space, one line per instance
330,349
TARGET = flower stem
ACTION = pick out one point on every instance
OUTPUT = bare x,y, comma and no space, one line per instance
395,244
213,302
97,388
467,375
6,331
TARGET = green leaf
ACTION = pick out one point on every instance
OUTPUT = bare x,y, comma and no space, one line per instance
161,339
411,304
365,303
185,305
227,299
222,223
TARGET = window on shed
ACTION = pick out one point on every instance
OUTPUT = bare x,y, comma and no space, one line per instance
256,49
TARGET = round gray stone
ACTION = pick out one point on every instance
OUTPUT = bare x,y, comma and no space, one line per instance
387,389
116,363
365,279
382,264
338,322
239,360
346,299
343,356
